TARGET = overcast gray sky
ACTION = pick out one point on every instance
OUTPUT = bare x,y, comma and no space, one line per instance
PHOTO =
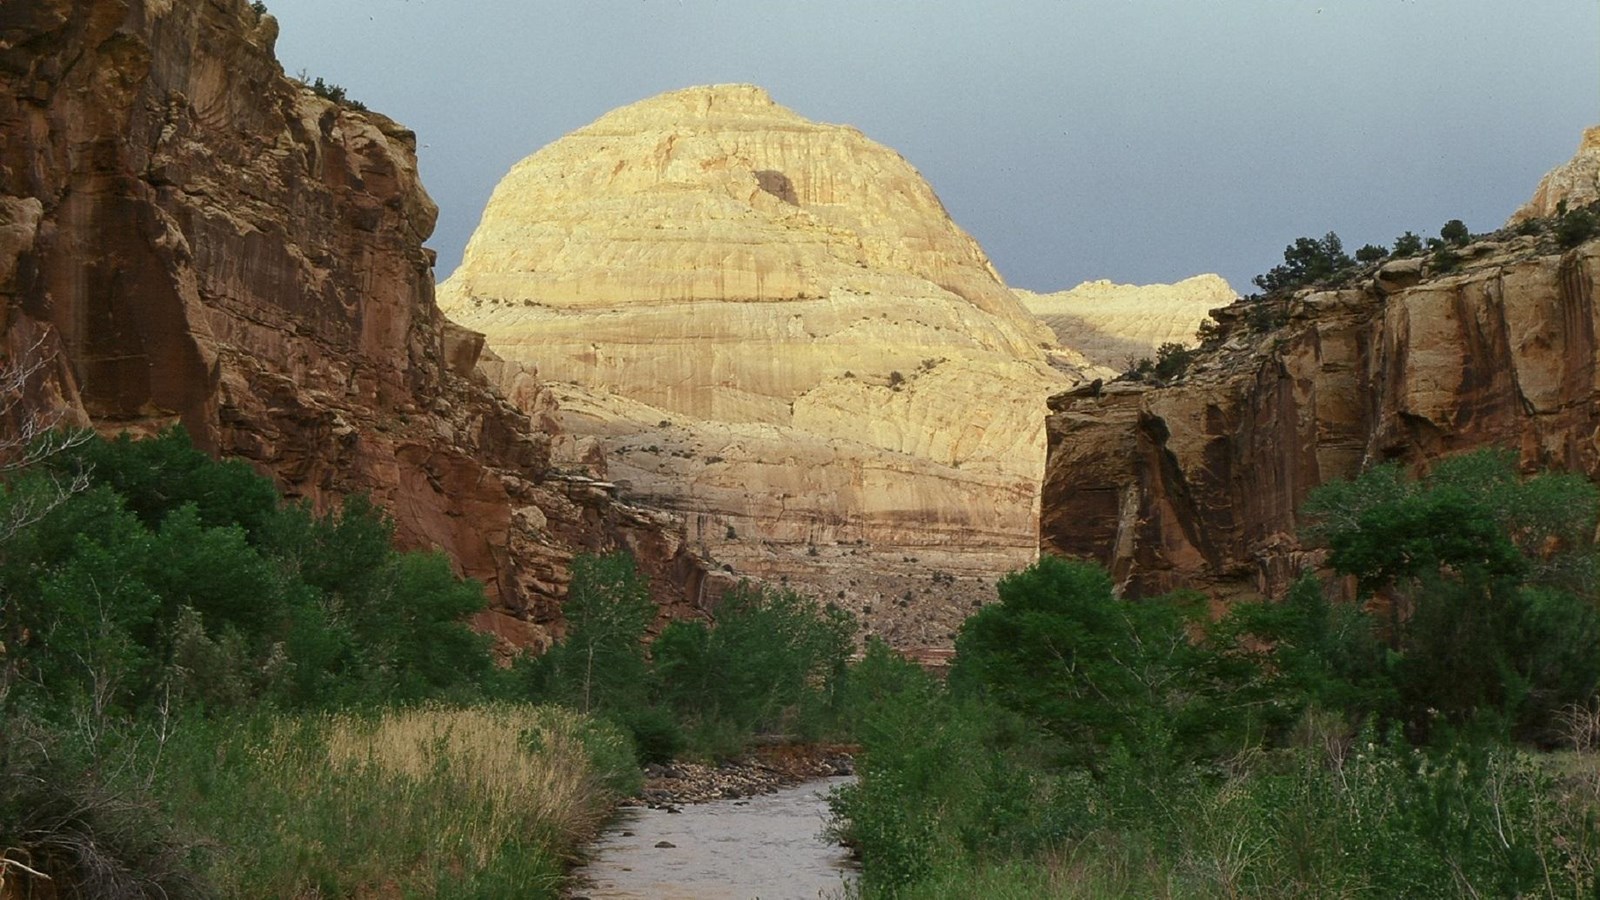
1137,140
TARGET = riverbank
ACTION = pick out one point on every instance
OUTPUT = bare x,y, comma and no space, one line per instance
763,771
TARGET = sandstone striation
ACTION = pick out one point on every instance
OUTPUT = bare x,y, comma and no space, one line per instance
1111,324
1575,183
772,326
187,236
1198,484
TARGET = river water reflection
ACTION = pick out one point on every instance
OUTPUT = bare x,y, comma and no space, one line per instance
766,847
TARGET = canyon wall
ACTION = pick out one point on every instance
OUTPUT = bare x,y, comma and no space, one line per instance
187,236
1198,484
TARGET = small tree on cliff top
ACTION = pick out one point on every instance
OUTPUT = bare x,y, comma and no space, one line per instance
1306,261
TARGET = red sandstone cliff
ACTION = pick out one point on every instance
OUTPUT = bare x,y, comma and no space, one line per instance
1198,484
188,236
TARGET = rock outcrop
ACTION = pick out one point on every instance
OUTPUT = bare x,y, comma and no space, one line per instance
1575,183
1111,324
187,236
1198,484
772,325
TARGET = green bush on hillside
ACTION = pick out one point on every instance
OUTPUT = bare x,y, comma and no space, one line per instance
1488,578
177,578
1307,261
770,661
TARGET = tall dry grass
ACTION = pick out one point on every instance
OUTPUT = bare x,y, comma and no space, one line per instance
528,769
431,801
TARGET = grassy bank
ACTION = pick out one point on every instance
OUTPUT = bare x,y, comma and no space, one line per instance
1438,741
206,691
434,801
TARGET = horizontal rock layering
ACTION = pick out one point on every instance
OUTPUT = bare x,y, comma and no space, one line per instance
1114,323
773,325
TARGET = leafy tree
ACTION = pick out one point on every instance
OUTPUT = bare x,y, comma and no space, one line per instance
160,474
1306,261
600,664
1407,244
1091,669
1370,253
1576,226
1307,654
1172,361
172,571
772,659
1455,233
1476,565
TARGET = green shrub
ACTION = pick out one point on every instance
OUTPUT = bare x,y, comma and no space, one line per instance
1307,261
1455,233
1172,361
1371,253
1487,577
78,819
772,661
1407,244
657,736
1062,651
600,664
940,780
1577,226
172,571
1265,315
1444,260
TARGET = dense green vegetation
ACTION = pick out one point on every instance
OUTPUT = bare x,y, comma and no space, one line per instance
204,690
173,579
1086,745
1312,262
774,662
1171,363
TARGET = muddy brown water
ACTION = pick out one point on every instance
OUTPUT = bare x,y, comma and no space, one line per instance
768,847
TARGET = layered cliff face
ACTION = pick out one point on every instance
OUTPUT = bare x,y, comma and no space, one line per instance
773,326
188,236
1198,484
1575,183
1111,324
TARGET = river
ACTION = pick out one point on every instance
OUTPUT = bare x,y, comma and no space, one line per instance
768,847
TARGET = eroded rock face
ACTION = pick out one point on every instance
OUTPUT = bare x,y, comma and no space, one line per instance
201,240
1575,182
773,326
1198,484
1113,323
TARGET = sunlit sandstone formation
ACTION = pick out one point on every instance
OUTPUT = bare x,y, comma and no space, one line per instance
773,326
1575,182
1113,323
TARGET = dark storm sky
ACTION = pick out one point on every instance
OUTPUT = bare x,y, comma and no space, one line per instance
1137,140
